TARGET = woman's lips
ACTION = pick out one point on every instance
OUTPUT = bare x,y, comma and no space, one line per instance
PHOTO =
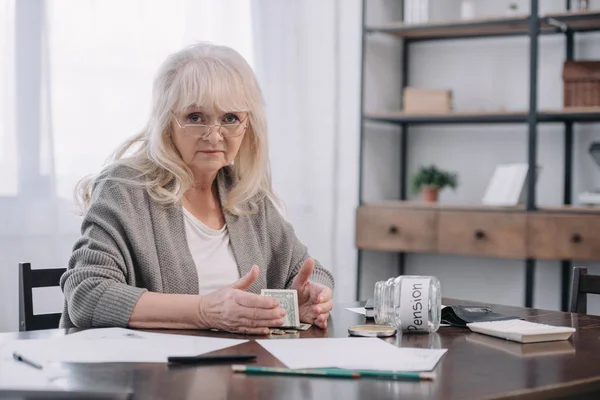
211,152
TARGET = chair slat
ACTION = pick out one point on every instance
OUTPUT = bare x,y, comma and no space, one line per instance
46,277
590,284
36,278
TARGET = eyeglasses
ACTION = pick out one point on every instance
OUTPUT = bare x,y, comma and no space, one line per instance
227,129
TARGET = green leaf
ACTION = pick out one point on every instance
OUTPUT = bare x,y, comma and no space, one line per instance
432,176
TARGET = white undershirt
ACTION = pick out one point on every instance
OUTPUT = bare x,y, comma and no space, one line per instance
212,252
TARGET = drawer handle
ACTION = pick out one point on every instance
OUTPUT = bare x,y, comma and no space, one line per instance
479,234
576,238
393,230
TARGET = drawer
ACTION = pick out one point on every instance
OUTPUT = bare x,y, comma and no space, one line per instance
395,229
490,234
564,236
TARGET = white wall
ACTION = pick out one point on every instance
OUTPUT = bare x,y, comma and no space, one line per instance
483,74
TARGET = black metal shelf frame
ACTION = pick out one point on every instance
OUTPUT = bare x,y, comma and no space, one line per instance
535,27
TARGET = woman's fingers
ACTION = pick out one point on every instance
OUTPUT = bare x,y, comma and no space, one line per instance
251,331
257,313
321,320
301,279
323,308
245,281
252,300
260,323
325,295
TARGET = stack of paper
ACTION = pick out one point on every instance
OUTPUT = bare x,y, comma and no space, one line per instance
351,353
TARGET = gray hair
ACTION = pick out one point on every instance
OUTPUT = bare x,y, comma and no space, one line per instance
201,75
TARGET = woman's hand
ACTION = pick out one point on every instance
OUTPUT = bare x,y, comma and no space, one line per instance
232,309
314,299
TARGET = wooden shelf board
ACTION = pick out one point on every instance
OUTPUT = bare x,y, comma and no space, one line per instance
449,117
479,207
575,114
571,209
499,26
577,20
439,206
455,28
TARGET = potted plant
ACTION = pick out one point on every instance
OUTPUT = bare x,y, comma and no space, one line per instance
430,180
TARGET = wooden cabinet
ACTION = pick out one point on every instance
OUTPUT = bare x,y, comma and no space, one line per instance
555,236
391,228
490,234
493,232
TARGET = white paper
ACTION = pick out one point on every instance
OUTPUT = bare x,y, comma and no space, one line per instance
351,353
507,185
15,375
115,345
358,310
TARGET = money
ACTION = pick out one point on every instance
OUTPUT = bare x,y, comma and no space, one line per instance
304,327
288,300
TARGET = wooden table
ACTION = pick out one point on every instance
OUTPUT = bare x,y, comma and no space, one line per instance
475,367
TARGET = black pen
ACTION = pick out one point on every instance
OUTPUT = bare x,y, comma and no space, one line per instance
19,357
208,359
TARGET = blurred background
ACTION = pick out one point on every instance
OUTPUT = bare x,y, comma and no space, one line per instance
75,81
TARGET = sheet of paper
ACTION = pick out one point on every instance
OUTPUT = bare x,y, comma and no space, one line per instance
114,345
358,310
351,353
19,376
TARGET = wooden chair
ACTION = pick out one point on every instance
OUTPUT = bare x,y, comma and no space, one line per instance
581,286
36,278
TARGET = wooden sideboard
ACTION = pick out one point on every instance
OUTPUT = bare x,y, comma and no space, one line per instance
501,232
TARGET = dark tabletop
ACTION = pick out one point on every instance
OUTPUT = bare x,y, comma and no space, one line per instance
475,367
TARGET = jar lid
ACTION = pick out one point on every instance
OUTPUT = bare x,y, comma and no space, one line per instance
372,330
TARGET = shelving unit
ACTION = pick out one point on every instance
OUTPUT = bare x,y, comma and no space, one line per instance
561,233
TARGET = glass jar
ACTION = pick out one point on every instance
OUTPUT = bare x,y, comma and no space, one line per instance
411,303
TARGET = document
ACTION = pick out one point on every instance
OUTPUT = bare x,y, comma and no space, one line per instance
16,375
358,310
114,345
352,353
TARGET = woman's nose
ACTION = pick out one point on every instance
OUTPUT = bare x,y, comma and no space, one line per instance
214,135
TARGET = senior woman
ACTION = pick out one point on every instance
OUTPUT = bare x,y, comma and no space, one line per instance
182,230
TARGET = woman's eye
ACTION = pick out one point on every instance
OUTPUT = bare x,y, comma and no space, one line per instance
195,118
230,119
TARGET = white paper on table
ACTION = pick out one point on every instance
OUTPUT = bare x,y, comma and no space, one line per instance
358,310
351,353
114,345
114,333
19,376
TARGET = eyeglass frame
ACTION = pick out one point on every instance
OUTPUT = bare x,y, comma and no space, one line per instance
211,126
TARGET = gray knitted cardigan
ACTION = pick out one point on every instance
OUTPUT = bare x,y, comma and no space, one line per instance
131,244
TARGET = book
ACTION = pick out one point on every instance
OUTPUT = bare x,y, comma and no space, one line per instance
521,331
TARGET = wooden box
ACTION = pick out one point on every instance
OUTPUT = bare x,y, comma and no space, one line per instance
581,83
426,101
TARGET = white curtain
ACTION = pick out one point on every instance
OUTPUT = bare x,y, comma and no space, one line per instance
308,63
85,87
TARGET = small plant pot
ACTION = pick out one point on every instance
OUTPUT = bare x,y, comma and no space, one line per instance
430,194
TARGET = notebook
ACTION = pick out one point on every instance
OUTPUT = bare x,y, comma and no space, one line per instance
521,331
370,308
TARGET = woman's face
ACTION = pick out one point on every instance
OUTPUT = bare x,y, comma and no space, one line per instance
208,140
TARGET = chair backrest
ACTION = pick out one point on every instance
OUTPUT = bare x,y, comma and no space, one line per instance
28,280
581,286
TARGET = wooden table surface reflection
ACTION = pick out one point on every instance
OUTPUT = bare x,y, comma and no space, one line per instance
475,367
